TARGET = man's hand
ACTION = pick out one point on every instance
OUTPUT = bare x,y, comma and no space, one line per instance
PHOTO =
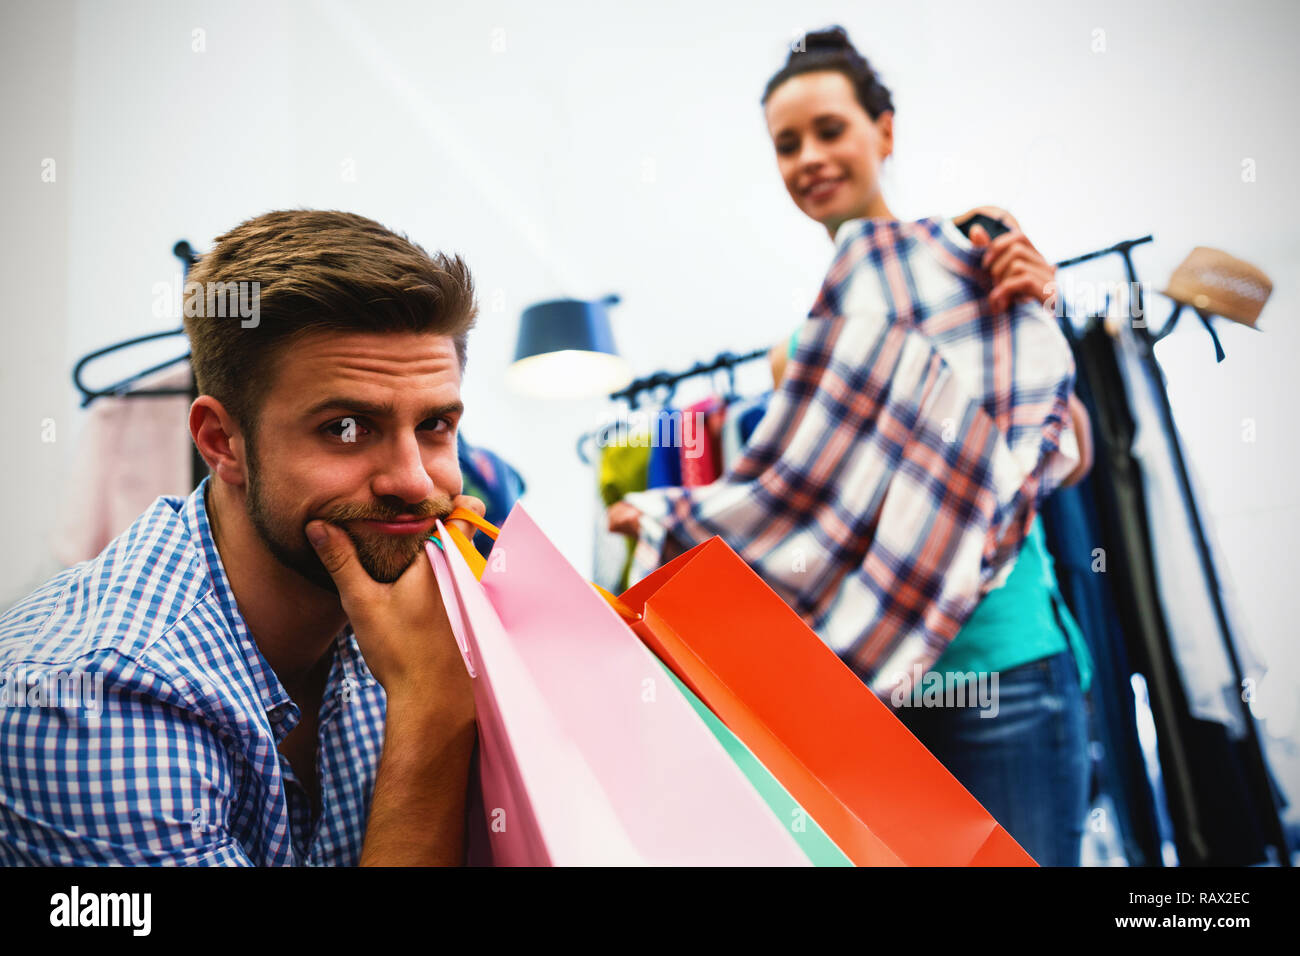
1019,270
624,519
402,627
417,812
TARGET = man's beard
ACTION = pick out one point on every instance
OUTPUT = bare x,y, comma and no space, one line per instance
383,556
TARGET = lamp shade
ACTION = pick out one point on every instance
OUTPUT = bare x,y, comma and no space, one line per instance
566,350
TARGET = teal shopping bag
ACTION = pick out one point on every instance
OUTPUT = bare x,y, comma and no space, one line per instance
821,850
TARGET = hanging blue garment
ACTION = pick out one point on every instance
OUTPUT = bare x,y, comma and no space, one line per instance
742,417
752,415
1222,800
665,460
1069,525
492,479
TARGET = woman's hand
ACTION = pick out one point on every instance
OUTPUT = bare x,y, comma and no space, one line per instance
624,519
1018,268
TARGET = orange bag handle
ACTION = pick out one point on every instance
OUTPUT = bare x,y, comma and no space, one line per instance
478,564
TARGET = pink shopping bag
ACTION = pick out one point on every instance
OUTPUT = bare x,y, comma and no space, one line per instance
534,790
587,753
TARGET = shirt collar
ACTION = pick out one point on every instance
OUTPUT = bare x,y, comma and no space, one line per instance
942,229
350,659
865,227
954,240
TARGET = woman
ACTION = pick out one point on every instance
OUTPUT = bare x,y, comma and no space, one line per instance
831,124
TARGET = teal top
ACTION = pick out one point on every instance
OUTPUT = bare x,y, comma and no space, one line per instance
1016,623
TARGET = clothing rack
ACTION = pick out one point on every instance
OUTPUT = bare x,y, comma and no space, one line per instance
1124,250
728,361
1254,760
722,362
1147,338
122,389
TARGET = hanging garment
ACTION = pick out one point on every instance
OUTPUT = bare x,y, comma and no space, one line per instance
1221,799
1075,540
714,421
130,451
620,469
700,453
752,415
1072,540
734,434
902,460
1200,642
665,468
490,478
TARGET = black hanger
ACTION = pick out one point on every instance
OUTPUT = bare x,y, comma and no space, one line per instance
1154,337
185,252
633,392
994,227
123,387
723,361
730,395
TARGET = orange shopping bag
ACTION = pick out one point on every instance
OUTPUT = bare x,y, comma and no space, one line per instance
850,763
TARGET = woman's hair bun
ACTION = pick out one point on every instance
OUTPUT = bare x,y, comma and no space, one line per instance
830,49
831,39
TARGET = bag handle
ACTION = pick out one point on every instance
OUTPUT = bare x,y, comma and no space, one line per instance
478,564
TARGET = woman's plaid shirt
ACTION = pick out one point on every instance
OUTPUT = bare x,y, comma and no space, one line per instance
903,458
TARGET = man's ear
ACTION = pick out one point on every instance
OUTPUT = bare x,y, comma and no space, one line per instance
218,440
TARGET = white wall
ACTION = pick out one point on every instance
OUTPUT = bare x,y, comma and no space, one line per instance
36,123
568,149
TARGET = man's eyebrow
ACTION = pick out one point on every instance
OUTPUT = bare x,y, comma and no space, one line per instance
381,410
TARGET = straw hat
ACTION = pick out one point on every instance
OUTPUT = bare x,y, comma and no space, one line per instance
1214,282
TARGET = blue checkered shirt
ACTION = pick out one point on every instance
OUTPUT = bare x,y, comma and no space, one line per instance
165,749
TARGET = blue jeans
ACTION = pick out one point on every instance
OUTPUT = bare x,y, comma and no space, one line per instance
1028,765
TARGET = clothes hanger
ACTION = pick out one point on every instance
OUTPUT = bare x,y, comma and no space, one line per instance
661,387
730,395
185,252
123,387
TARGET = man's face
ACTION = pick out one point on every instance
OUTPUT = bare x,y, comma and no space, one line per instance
358,429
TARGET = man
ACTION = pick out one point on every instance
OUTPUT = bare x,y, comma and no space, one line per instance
280,684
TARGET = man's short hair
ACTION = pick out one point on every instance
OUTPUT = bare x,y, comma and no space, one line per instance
315,270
